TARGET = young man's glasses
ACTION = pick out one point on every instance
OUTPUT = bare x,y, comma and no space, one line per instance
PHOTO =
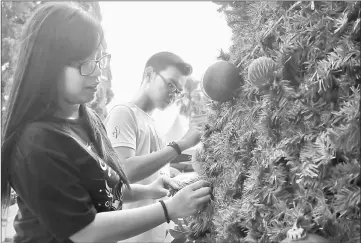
88,67
170,84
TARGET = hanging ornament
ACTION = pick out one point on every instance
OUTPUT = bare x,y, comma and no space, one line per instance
261,71
299,235
221,81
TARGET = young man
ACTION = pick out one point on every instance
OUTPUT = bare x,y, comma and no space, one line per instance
134,137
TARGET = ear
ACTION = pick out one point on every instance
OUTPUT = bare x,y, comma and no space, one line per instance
147,74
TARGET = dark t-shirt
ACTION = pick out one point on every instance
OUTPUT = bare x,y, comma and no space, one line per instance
60,180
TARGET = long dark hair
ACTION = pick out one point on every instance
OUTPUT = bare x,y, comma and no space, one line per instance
56,35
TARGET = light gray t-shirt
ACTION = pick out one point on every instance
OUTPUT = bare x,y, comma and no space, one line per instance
129,126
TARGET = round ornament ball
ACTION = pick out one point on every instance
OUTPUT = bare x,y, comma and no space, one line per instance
261,71
221,80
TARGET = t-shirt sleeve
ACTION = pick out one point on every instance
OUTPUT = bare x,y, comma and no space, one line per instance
50,186
121,127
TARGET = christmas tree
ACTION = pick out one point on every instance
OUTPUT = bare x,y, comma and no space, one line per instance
13,17
286,148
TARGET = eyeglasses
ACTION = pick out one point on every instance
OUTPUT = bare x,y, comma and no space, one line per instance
170,84
88,67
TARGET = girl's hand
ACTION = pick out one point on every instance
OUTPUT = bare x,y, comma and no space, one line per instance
159,187
189,200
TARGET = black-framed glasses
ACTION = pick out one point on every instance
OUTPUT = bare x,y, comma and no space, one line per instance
171,85
88,67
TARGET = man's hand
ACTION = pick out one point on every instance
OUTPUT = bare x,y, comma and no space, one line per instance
191,138
198,120
193,135
159,187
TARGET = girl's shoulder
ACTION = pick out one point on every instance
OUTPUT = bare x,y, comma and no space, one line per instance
42,134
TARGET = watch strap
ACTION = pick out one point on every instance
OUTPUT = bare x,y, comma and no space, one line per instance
176,147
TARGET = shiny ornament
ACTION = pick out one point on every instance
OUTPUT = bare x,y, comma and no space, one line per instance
221,81
261,71
299,235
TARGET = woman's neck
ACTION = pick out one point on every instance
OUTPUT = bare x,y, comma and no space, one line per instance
68,111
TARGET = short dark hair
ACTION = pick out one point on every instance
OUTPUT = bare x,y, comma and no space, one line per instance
162,60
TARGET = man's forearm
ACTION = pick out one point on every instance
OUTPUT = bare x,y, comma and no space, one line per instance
139,167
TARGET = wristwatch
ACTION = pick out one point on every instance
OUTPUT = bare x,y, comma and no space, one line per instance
176,147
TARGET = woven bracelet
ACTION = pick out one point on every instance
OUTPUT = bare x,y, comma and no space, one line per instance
165,211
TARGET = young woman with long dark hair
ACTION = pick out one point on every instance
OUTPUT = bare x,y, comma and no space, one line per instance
55,151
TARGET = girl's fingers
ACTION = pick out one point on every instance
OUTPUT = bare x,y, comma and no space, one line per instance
202,192
198,184
202,200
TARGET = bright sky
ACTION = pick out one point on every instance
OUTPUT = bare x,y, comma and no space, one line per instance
136,30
